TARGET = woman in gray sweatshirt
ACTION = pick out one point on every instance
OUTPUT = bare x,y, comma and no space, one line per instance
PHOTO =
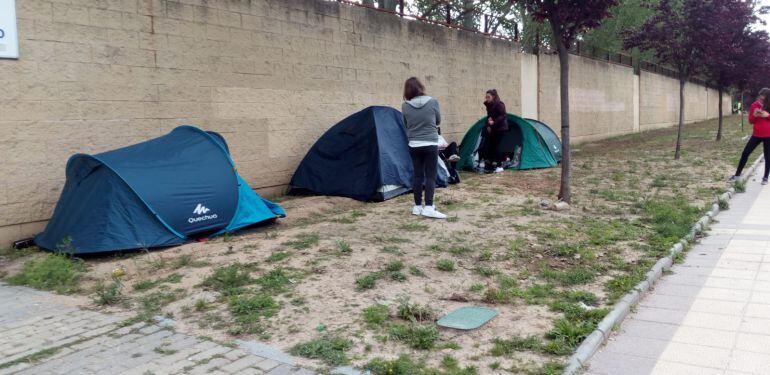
422,118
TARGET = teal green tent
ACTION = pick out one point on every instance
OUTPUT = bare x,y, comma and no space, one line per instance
530,144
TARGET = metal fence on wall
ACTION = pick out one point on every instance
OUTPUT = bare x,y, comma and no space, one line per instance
448,15
442,13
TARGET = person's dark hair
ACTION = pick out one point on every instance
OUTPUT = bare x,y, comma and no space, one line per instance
413,88
493,92
766,101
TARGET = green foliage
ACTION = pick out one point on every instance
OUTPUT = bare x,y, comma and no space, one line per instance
622,284
202,305
415,335
507,347
459,250
536,294
149,284
187,260
414,311
395,265
507,290
276,281
486,271
740,186
248,311
670,218
724,204
304,241
570,276
368,281
230,279
247,308
108,294
329,349
344,247
375,315
278,256
56,272
550,368
413,227
570,333
405,365
151,304
414,271
445,265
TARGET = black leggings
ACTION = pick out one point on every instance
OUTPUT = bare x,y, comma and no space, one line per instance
491,152
425,163
750,147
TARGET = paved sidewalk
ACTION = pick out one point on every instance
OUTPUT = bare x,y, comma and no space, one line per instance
43,333
712,315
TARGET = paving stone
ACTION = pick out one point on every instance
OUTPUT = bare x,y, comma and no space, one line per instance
242,363
92,343
267,364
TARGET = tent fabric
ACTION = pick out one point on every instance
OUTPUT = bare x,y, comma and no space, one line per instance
549,136
365,157
534,145
160,192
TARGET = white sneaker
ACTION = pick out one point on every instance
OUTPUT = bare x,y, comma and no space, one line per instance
499,170
453,158
417,210
430,211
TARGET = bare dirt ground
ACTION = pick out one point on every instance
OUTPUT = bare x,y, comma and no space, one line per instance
549,274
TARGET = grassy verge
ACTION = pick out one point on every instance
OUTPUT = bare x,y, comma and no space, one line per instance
363,284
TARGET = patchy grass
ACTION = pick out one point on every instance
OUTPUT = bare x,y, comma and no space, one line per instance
368,281
446,265
414,312
329,349
375,315
406,365
187,260
229,279
144,285
55,272
278,256
417,336
108,294
304,241
552,275
249,310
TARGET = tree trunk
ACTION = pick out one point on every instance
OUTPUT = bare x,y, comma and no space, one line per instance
677,154
468,19
742,111
368,3
388,4
565,190
719,130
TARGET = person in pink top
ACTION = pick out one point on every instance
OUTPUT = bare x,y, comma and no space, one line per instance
760,118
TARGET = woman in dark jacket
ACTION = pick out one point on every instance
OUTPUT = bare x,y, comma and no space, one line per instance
497,126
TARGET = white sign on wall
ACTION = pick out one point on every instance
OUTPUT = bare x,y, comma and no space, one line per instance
9,36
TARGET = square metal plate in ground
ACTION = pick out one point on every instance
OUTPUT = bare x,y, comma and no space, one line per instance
469,317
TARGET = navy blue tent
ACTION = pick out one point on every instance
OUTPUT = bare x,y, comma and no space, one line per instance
364,157
161,192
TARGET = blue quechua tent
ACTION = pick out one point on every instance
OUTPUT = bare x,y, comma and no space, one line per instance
161,192
365,157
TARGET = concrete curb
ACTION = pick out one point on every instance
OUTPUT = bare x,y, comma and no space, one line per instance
602,333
